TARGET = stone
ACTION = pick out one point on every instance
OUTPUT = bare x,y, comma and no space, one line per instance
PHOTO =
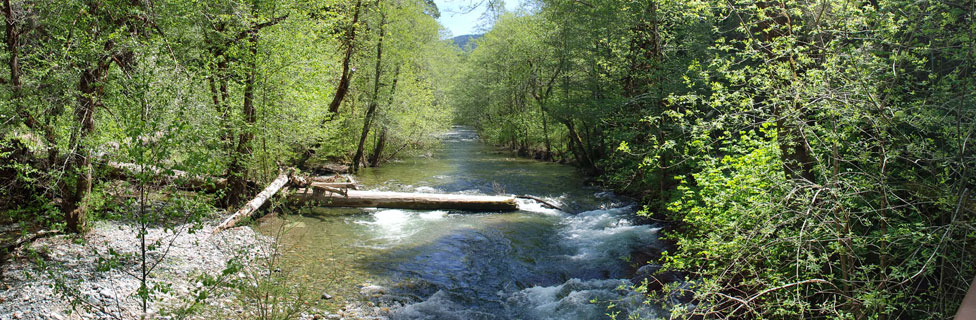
645,272
326,296
372,290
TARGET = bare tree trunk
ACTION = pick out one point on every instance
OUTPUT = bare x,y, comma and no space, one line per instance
331,197
358,158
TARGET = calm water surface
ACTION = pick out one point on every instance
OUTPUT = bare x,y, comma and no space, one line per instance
536,263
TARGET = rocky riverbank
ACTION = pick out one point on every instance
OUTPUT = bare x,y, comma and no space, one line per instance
95,276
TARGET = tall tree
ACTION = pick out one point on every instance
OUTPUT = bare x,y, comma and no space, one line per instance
374,98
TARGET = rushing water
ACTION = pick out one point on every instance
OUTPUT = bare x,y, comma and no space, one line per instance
536,263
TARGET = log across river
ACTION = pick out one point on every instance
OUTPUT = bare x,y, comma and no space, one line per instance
440,237
404,200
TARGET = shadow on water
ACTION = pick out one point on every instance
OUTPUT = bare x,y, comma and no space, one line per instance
532,264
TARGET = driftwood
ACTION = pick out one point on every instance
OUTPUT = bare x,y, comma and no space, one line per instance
255,203
399,200
544,203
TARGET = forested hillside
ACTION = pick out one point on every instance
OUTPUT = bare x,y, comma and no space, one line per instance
812,159
463,41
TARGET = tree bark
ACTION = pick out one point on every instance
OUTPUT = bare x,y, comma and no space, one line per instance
374,159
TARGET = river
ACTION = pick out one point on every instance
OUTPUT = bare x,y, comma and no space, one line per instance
535,263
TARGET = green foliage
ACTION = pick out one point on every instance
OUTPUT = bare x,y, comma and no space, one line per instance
811,156
138,111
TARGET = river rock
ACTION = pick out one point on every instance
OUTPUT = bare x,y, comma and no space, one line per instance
326,296
372,290
645,272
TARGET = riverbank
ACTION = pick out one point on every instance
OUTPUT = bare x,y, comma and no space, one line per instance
72,277
66,277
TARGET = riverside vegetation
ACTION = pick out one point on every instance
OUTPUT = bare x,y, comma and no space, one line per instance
809,159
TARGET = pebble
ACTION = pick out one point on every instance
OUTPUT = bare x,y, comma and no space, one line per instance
326,296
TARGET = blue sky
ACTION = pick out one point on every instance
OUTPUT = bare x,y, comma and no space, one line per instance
454,18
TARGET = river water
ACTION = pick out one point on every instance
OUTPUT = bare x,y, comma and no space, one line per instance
536,263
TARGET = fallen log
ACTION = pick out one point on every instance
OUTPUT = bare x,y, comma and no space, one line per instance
401,200
255,203
181,178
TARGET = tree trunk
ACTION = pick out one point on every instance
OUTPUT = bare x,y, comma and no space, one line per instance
545,133
220,94
374,159
237,173
579,150
90,88
343,87
358,158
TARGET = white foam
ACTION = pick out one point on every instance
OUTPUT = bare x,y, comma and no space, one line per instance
433,215
601,236
426,189
536,207
390,224
574,300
